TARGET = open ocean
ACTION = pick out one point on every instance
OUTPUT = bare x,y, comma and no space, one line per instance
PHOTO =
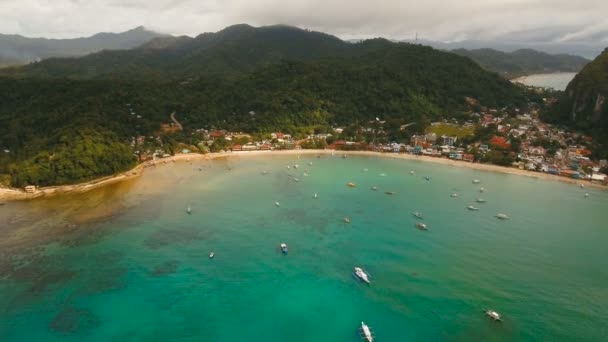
127,263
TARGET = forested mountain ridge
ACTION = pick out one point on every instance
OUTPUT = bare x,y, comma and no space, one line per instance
523,62
23,50
294,80
584,104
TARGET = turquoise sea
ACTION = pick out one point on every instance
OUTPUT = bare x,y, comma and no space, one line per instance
127,263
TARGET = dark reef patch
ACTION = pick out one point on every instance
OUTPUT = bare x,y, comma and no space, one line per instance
173,236
72,319
165,268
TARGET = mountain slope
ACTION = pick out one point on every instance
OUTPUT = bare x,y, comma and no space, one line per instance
24,50
584,104
294,80
523,61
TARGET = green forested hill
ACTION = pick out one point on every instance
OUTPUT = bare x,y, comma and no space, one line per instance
292,79
584,104
523,62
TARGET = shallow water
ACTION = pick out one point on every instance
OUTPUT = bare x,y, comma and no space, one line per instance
128,263
557,81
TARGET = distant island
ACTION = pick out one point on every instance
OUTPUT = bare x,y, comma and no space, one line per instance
69,120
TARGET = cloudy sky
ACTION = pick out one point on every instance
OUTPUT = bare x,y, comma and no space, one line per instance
516,20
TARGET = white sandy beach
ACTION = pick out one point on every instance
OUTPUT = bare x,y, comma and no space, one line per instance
15,194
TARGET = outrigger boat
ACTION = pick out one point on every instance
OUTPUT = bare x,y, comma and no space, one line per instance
493,315
284,248
362,275
366,333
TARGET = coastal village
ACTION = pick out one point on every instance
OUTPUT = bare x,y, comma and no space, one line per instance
506,137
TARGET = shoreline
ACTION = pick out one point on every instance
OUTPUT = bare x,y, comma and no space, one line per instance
11,194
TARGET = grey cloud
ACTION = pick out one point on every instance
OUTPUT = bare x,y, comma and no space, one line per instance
525,20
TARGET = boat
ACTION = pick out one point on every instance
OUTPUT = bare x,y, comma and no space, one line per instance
344,156
502,217
296,166
472,208
482,189
421,226
365,170
586,195
315,196
211,255
481,200
366,333
390,192
305,174
374,188
189,210
264,172
277,204
351,185
346,220
383,175
310,163
427,178
493,315
289,167
296,180
412,172
417,215
284,248
581,185
454,195
361,274
476,181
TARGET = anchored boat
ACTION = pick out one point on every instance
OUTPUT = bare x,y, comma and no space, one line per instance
502,217
284,249
421,226
362,275
347,220
493,315
472,208
351,185
211,255
417,215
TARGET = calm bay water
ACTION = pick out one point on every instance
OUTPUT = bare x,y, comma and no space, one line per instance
126,263
557,81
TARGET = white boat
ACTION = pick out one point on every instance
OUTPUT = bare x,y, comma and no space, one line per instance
289,167
365,170
305,174
351,185
412,172
366,333
472,208
482,189
374,188
502,217
211,255
310,163
417,215
390,192
421,226
189,210
296,180
581,185
493,315
296,166
277,204
361,274
383,175
346,220
481,200
315,196
586,195
284,248
476,181
454,195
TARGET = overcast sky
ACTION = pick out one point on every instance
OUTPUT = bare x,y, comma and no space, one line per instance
516,20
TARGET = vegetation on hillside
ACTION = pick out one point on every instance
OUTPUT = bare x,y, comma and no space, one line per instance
301,91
